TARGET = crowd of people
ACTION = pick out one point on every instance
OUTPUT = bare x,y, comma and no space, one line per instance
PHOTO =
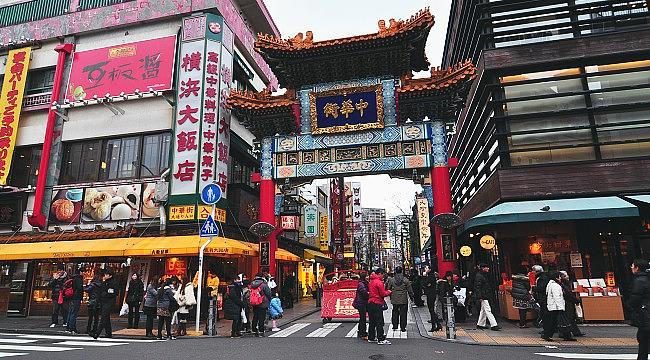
249,304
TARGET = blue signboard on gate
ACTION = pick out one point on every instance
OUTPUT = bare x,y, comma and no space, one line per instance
349,109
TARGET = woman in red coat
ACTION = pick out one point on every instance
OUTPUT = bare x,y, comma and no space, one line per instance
376,307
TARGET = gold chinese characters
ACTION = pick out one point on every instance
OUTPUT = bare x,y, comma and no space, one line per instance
346,108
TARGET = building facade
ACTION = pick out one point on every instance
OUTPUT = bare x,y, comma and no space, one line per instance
553,142
111,87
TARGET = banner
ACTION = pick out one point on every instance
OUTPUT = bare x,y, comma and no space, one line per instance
423,221
311,220
11,103
141,65
324,233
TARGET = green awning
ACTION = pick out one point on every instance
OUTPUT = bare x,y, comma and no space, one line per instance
554,210
640,198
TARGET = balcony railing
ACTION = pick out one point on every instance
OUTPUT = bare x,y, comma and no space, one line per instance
38,101
34,10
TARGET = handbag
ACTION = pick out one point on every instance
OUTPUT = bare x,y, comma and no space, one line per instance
124,310
384,306
579,313
243,317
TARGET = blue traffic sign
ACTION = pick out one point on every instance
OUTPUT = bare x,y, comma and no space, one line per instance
209,228
211,194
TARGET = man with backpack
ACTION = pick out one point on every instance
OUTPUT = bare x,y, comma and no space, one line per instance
59,303
260,297
73,290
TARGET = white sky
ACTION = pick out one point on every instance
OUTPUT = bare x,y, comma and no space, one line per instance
329,19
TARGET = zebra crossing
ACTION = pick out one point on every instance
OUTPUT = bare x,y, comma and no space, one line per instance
339,330
31,344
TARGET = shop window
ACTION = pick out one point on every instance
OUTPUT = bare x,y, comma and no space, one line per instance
120,158
40,81
552,156
25,164
155,154
81,162
545,105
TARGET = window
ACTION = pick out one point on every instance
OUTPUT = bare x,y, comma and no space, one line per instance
40,81
25,164
240,171
111,159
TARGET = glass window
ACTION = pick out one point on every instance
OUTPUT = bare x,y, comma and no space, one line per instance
81,162
625,150
129,158
550,139
110,159
619,66
25,165
620,97
552,156
548,122
543,88
39,81
540,75
155,154
618,80
544,105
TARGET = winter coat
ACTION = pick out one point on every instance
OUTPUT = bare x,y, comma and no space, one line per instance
275,308
234,301
376,290
77,287
165,300
400,288
540,288
57,285
150,298
136,292
520,287
445,289
265,290
108,293
431,287
93,290
570,302
482,286
554,296
639,300
362,295
185,298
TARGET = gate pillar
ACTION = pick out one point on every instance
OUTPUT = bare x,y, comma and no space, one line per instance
267,206
441,186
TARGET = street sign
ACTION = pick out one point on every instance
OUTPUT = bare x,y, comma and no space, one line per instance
311,220
209,228
211,194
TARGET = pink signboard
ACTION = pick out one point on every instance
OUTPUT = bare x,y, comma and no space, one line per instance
123,68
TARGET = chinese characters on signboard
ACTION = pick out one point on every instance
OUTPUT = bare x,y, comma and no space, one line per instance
224,115
183,212
423,221
349,109
289,222
209,131
141,65
324,233
311,221
11,102
357,213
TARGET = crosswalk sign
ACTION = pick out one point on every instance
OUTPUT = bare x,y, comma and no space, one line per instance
209,228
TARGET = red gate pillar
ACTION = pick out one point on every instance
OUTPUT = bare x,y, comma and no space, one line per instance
267,214
441,188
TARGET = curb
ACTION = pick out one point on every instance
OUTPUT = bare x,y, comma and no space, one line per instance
559,344
302,316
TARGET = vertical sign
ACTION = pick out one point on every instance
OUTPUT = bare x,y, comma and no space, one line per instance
347,201
311,220
335,204
324,234
357,214
423,221
11,102
202,127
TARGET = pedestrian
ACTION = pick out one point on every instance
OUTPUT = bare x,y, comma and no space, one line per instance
94,306
150,301
233,304
570,303
430,290
376,307
287,290
361,304
246,293
59,305
521,295
164,309
416,284
541,281
483,290
134,297
638,303
260,299
401,289
275,311
446,290
556,317
107,296
185,298
77,286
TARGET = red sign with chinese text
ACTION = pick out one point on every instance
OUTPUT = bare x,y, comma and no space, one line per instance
176,266
141,65
289,222
337,300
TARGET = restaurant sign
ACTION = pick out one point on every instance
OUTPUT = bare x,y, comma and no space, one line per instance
311,220
11,102
423,221
122,69
347,109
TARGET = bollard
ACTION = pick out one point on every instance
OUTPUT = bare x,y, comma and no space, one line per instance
319,295
451,320
212,317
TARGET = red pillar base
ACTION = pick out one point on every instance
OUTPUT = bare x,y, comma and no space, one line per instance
267,214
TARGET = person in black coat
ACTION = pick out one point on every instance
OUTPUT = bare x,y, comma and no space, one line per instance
570,302
233,305
134,298
541,282
484,292
75,301
521,296
107,295
416,284
430,290
94,307
638,303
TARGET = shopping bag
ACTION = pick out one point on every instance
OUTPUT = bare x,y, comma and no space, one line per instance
124,310
461,295
243,317
579,313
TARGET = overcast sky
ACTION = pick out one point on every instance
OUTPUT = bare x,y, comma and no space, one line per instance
329,19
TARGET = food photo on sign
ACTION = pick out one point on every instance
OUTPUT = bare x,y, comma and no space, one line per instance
121,202
149,207
66,206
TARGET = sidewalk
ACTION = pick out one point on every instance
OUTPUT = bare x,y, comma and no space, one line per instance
598,335
41,324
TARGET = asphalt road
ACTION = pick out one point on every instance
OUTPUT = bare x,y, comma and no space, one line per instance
269,348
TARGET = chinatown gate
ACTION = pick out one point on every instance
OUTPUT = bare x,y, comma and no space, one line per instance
352,107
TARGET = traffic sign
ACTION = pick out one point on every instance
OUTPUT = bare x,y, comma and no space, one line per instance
211,194
209,228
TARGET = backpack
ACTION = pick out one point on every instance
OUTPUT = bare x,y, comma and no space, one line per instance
257,295
68,291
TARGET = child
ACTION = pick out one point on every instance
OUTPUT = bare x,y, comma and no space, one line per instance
275,309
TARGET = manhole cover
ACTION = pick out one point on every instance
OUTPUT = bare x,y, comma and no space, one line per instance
387,357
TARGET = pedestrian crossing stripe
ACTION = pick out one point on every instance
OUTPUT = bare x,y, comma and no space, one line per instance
325,330
80,338
4,354
590,356
291,330
353,332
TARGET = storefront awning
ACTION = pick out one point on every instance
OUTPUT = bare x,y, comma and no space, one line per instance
640,198
554,210
284,255
119,247
318,256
